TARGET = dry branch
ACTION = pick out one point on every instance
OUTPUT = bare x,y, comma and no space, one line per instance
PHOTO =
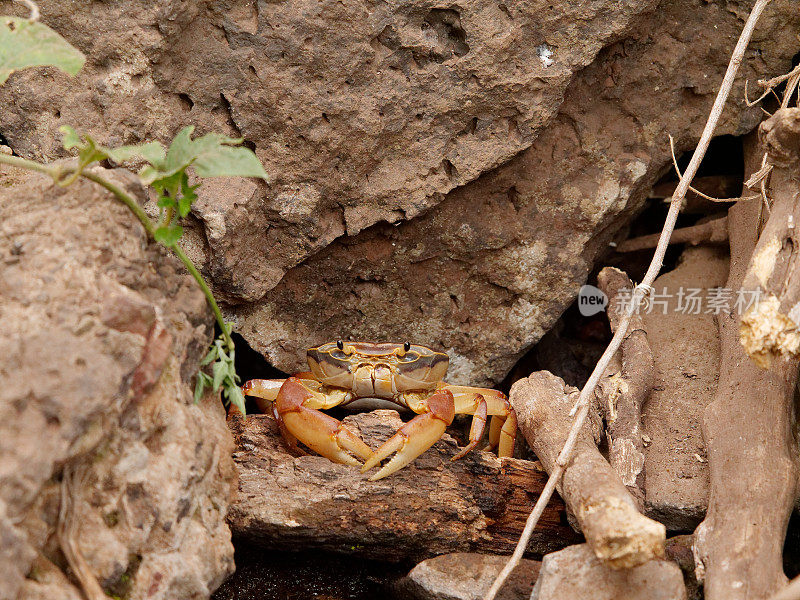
770,328
714,231
625,387
753,455
583,405
433,506
608,515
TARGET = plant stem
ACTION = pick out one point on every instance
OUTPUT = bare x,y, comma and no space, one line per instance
582,405
144,219
24,163
150,227
125,198
207,291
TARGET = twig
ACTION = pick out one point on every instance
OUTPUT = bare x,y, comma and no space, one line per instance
713,232
695,190
583,404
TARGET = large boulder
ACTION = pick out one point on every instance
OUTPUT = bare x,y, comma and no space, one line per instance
441,174
107,465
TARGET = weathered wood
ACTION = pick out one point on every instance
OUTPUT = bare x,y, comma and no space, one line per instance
433,506
625,386
618,533
752,450
770,329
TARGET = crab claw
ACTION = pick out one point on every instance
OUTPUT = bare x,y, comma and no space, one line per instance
265,391
415,437
322,433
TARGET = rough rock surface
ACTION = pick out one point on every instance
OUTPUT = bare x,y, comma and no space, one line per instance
401,113
103,333
574,573
685,345
467,576
432,506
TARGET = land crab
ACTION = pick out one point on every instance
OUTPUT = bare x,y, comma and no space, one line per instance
408,375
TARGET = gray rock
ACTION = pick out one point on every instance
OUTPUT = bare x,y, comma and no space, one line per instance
103,335
467,576
575,573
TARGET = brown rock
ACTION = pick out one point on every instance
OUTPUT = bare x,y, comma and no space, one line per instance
576,574
104,332
489,269
402,114
467,576
432,506
685,345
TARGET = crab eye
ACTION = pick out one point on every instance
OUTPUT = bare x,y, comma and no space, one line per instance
409,357
406,347
340,345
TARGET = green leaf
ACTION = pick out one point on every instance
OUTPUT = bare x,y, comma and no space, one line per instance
212,155
25,44
228,161
212,355
166,202
152,152
188,196
168,236
236,397
199,386
220,372
71,138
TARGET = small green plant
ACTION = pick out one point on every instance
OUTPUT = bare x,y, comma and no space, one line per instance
26,43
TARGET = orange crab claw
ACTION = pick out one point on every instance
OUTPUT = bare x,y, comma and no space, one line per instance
415,437
322,433
264,391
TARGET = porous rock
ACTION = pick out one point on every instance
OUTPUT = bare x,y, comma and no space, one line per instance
505,143
575,573
467,576
103,334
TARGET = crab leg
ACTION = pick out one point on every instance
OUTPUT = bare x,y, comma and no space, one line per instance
503,433
416,436
503,427
477,428
295,410
267,389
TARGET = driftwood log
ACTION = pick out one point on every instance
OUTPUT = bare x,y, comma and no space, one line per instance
770,328
608,515
753,454
625,386
433,506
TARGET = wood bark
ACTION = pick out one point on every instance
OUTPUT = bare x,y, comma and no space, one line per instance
752,450
607,514
770,328
625,387
432,506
